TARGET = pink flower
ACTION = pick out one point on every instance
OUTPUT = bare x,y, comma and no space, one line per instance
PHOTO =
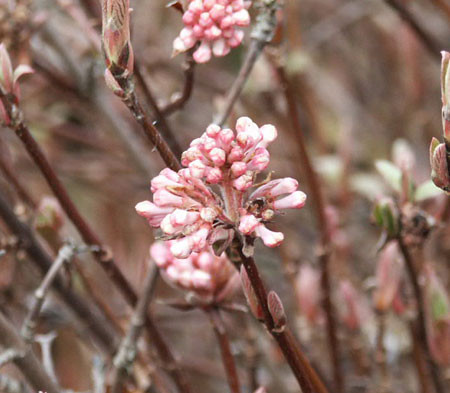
214,24
212,195
205,274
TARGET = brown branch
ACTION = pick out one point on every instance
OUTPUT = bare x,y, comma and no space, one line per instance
65,254
261,35
318,202
421,323
150,131
28,364
12,178
225,349
430,44
127,351
103,257
160,116
97,325
180,102
306,376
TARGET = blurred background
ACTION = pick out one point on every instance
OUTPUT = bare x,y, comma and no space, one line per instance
363,76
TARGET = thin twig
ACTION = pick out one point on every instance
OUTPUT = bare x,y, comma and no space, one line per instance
65,254
318,201
131,100
95,322
45,341
127,351
225,349
261,35
180,102
433,47
9,355
8,172
421,324
103,257
306,376
159,115
28,364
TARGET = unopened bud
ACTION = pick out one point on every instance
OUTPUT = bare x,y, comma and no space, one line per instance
276,310
440,172
250,295
116,37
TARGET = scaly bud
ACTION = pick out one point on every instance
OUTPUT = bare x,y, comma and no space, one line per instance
440,172
116,37
276,310
6,71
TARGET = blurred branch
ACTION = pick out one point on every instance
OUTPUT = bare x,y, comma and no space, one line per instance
126,353
429,42
319,211
45,341
421,323
178,103
104,256
443,6
65,255
28,364
12,178
96,324
160,118
225,349
10,385
261,35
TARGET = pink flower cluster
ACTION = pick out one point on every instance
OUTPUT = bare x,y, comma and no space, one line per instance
213,23
204,273
210,198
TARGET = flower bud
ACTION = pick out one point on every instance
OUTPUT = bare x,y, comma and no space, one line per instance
440,172
116,37
276,310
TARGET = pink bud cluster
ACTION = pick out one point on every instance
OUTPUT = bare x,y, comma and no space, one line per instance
205,274
213,23
186,207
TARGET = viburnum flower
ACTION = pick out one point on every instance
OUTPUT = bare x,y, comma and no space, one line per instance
205,274
216,194
214,24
